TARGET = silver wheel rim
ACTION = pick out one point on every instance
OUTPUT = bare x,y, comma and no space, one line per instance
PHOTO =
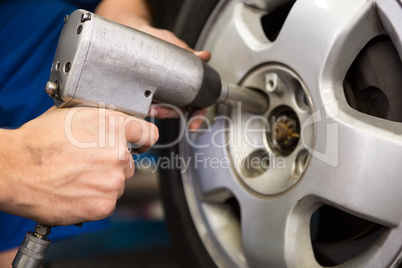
352,160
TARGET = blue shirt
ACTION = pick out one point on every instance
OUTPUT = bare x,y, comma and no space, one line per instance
29,31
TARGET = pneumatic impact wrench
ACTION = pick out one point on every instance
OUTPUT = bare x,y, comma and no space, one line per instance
100,63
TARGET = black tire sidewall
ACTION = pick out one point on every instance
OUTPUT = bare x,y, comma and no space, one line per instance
185,239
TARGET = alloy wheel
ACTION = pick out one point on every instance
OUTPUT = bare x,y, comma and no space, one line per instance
314,181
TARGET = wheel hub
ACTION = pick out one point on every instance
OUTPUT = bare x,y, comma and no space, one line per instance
276,151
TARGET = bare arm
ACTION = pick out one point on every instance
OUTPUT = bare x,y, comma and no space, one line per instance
132,13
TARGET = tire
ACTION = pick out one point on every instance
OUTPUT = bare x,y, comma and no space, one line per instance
319,186
188,246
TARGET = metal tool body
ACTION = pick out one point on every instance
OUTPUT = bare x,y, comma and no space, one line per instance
33,249
100,62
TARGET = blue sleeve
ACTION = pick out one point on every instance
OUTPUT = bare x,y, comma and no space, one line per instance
29,31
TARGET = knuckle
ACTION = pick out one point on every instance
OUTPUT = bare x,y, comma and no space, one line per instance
127,157
110,157
130,173
104,209
117,183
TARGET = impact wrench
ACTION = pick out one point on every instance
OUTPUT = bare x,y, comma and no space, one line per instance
100,63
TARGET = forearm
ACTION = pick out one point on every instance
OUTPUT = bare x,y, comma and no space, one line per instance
23,165
9,148
129,12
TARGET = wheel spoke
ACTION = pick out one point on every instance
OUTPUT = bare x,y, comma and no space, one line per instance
241,24
325,36
355,167
210,163
276,231
263,232
343,28
391,21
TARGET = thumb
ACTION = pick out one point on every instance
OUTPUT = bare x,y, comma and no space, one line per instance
140,132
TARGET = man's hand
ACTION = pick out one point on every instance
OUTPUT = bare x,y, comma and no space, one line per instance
69,165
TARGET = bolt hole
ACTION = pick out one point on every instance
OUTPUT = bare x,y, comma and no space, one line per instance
301,162
256,163
79,29
67,67
302,100
148,94
57,66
